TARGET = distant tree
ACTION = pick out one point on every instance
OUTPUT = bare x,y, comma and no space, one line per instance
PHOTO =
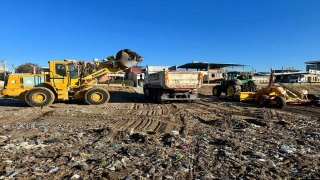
110,59
27,68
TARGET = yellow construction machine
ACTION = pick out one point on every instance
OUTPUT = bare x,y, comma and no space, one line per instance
66,79
278,95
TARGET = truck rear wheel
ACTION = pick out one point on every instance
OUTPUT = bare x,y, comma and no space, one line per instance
158,97
97,96
39,97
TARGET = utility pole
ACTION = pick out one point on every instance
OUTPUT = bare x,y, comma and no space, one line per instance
13,69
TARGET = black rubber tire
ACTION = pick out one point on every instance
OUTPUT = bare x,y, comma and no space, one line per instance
280,102
104,99
158,97
263,101
47,93
246,87
216,90
312,97
146,92
251,86
154,95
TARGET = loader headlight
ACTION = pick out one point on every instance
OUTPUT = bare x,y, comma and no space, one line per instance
13,81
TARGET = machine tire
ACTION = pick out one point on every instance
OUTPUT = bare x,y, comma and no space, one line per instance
233,89
251,86
246,87
101,96
311,97
263,100
146,92
216,90
280,102
257,87
154,95
158,97
39,97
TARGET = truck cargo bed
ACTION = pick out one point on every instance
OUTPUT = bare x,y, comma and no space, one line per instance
175,80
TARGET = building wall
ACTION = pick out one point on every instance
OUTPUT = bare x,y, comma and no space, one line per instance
212,74
313,66
2,69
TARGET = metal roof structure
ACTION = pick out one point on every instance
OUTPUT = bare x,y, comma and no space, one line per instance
204,65
312,62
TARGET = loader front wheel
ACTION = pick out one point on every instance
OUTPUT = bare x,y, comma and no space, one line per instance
97,96
280,102
39,97
216,91
263,100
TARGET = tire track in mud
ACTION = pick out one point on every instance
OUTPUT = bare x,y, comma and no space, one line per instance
308,110
141,117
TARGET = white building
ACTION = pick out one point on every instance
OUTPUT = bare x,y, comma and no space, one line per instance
2,69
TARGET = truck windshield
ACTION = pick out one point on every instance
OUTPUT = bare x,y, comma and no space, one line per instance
73,69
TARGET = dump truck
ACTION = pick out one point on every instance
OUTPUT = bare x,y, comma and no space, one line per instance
163,84
278,95
68,79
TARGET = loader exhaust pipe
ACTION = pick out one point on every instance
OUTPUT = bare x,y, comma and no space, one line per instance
34,69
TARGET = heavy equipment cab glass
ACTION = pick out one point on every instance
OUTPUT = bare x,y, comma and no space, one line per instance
73,69
232,76
60,69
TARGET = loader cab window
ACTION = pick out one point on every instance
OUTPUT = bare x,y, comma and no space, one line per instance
61,70
74,73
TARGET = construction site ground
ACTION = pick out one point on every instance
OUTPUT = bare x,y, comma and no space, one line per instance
132,138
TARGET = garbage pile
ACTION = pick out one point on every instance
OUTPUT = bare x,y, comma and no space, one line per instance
221,148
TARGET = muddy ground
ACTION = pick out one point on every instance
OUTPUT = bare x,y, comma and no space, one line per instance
133,138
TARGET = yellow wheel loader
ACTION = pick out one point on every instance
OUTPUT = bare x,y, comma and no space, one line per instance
278,95
66,79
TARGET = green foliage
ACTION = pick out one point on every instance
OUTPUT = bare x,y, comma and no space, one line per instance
118,81
27,68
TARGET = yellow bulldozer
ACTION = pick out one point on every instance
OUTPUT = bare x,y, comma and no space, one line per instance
67,80
278,95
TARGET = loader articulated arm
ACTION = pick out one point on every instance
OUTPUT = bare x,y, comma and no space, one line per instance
88,81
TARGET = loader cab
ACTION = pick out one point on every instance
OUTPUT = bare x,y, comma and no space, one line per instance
63,73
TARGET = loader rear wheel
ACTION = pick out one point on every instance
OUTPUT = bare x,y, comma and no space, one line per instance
216,91
39,97
97,96
280,102
263,100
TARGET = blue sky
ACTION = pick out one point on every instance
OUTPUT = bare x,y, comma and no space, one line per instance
263,33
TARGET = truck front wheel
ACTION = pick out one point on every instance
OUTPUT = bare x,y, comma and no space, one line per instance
146,92
39,97
97,96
